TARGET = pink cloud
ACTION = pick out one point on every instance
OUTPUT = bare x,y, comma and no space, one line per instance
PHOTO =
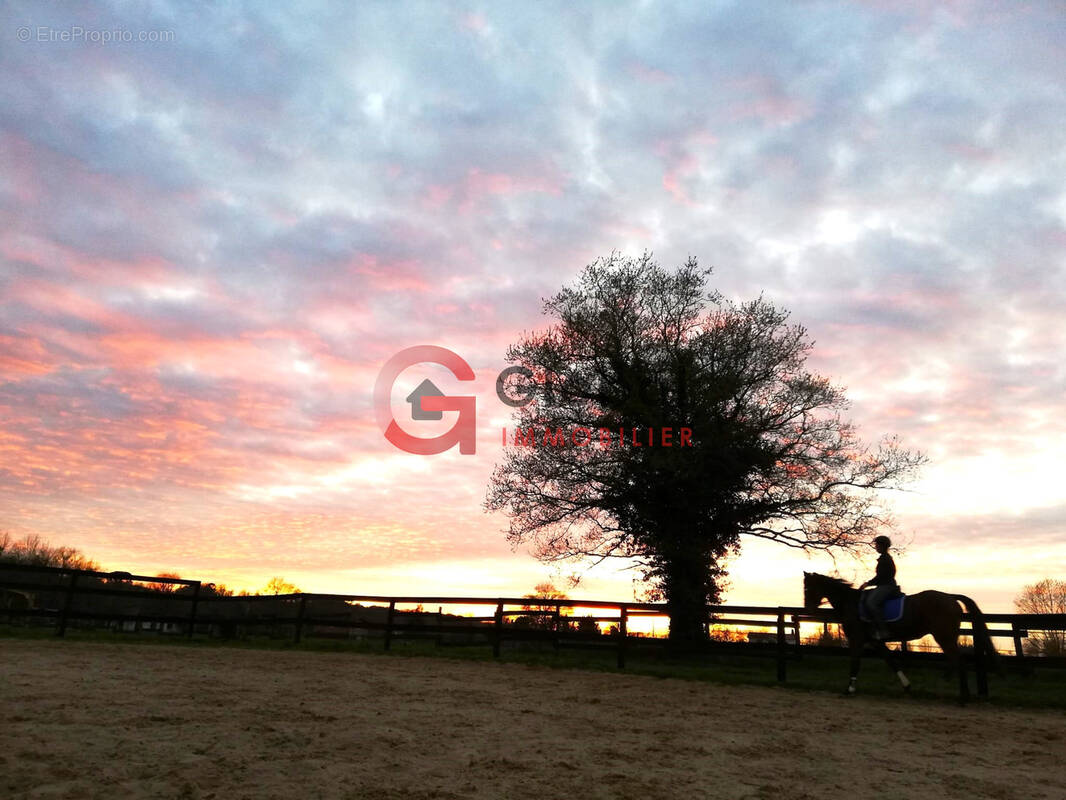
391,276
25,356
684,159
765,100
480,184
673,179
50,256
647,74
474,22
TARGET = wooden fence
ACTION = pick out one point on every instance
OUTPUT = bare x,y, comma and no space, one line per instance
119,598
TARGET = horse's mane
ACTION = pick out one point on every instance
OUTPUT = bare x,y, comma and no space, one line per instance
843,584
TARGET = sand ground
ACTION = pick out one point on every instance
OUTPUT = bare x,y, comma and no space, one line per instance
131,721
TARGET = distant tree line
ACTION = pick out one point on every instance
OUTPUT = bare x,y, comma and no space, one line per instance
34,551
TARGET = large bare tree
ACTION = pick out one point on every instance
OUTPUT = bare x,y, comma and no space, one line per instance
633,346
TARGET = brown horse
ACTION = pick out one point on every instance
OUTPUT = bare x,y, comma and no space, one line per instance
928,612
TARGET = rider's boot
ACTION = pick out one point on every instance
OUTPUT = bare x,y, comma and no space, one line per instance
880,630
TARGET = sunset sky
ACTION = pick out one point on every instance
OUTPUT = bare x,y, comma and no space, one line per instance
212,240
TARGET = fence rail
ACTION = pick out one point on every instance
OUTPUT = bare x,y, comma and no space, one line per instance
119,598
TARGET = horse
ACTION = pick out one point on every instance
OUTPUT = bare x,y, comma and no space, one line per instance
928,612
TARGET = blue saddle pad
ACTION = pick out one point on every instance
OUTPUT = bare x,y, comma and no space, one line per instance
893,609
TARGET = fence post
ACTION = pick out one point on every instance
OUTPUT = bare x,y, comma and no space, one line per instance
1016,631
498,633
781,651
192,611
300,619
440,625
796,625
555,628
388,624
61,629
623,634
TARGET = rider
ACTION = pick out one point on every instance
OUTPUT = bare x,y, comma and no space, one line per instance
884,583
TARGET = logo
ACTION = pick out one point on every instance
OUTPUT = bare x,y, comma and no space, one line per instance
427,402
515,387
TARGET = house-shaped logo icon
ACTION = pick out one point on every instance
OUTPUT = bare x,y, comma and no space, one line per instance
424,389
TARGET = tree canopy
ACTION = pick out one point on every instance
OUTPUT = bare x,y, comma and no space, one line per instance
635,347
278,585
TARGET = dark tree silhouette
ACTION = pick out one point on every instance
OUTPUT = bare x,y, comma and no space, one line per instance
163,587
33,550
541,620
637,347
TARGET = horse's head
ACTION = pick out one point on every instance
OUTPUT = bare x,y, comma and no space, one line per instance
817,588
813,590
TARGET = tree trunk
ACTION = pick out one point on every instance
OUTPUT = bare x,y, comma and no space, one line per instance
686,600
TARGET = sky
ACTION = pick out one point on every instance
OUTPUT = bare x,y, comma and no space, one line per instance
218,221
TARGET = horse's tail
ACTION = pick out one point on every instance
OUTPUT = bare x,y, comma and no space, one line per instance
980,631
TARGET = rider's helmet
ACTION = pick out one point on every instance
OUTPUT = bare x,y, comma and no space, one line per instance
883,541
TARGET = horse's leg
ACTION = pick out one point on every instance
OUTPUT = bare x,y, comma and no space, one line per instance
893,665
964,682
950,646
855,646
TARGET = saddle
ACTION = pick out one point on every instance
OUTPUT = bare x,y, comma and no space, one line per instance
893,609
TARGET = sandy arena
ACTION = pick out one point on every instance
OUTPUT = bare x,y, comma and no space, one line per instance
136,721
